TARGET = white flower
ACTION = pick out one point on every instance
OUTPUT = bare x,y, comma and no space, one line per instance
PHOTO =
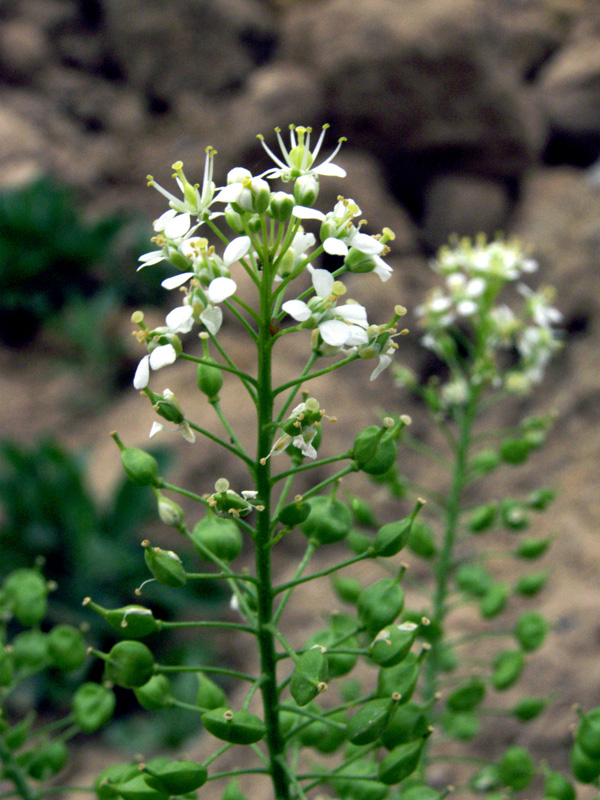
538,305
338,325
183,428
160,357
300,160
172,229
195,201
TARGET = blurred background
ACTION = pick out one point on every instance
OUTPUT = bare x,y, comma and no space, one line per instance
463,116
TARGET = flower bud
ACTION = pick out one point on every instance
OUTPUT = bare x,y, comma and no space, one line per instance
129,664
209,379
66,647
329,520
309,677
218,537
401,762
93,706
392,644
281,206
26,591
380,604
175,777
368,723
507,668
165,566
237,727
306,190
136,621
234,220
210,695
154,694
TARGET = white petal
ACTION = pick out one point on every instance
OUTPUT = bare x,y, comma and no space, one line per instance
304,212
151,258
358,336
187,433
220,289
323,282
175,281
235,250
331,170
156,428
212,317
302,241
179,320
335,247
334,332
383,270
229,194
384,362
297,309
353,312
159,224
367,244
162,356
142,374
178,226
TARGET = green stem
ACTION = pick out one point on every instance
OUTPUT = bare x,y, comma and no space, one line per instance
293,583
14,773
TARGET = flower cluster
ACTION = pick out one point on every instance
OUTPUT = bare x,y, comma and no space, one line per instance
467,312
270,243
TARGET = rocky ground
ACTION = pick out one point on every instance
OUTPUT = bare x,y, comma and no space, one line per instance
462,116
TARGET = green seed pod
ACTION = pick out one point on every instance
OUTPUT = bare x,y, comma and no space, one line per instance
514,516
507,668
294,514
105,783
515,451
233,791
353,787
27,592
407,724
400,762
485,461
392,644
384,458
154,694
329,520
531,548
401,679
584,768
473,579
363,513
237,727
461,725
482,518
209,694
136,621
366,444
540,499
7,669
421,540
141,467
359,542
393,537
380,604
420,792
217,536
16,736
48,760
129,664
93,706
309,677
347,589
530,585
494,600
30,651
516,768
531,630
467,696
529,708
209,379
66,647
338,664
176,777
588,734
557,786
321,734
368,723
165,566
136,788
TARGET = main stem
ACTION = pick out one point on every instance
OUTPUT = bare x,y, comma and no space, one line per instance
266,640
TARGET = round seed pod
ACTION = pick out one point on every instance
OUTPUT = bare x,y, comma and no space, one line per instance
530,585
141,467
237,727
294,514
129,664
209,379
421,540
588,734
558,786
420,792
392,644
508,666
516,768
356,788
30,651
515,451
407,724
531,630
93,705
473,579
467,697
66,647
136,788
329,520
338,663
165,566
366,444
380,604
529,708
494,600
176,777
401,679
217,536
209,694
393,537
384,458
347,589
584,768
400,762
154,694
27,591
532,548
104,785
482,518
321,734
48,760
370,720
461,725
309,677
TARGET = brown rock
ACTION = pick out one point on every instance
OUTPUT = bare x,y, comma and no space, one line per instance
24,48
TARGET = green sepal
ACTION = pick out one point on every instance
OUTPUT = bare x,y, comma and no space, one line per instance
309,677
27,592
507,668
329,520
531,630
154,694
66,647
392,644
129,664
176,777
380,604
165,566
217,536
237,727
400,762
93,705
468,696
370,720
